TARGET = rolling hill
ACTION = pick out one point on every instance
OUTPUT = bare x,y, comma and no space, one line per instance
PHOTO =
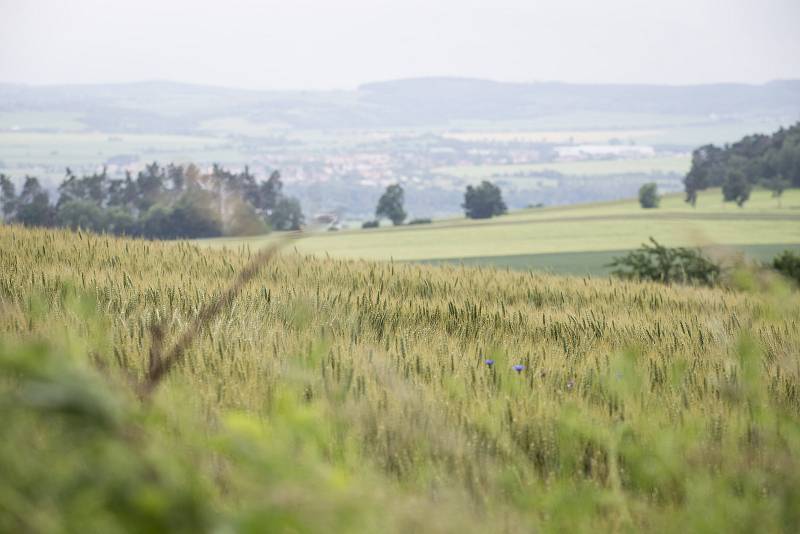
167,107
576,239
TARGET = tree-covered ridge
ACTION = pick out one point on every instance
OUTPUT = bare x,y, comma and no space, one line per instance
771,161
163,202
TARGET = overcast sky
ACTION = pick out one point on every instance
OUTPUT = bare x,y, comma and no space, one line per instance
330,44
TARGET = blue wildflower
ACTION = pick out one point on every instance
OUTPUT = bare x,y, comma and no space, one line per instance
489,362
518,368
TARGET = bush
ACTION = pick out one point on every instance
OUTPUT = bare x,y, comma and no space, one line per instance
370,224
788,264
648,195
658,263
420,221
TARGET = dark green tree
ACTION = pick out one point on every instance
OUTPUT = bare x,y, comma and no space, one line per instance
92,188
287,214
120,221
483,201
33,205
149,186
193,216
123,192
706,171
8,198
83,214
390,205
736,188
176,177
155,222
648,195
264,197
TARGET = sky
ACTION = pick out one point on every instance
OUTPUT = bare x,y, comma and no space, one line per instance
339,44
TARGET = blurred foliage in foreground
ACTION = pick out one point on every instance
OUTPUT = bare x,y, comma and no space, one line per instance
335,396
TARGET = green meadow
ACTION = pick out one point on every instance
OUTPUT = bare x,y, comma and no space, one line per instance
589,234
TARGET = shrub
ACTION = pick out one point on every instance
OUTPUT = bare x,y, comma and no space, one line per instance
658,263
420,221
648,195
788,264
370,224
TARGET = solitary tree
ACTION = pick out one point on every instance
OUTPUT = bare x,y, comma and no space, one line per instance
777,185
390,205
736,188
483,201
648,195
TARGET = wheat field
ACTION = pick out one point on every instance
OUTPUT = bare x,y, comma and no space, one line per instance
334,395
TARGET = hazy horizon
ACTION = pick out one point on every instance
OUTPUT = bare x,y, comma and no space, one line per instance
312,45
387,80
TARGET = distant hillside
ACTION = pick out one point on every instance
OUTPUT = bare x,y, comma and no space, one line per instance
436,99
176,107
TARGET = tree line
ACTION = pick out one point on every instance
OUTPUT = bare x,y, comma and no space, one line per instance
160,202
770,161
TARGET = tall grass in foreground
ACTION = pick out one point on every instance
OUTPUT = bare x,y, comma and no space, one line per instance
353,396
